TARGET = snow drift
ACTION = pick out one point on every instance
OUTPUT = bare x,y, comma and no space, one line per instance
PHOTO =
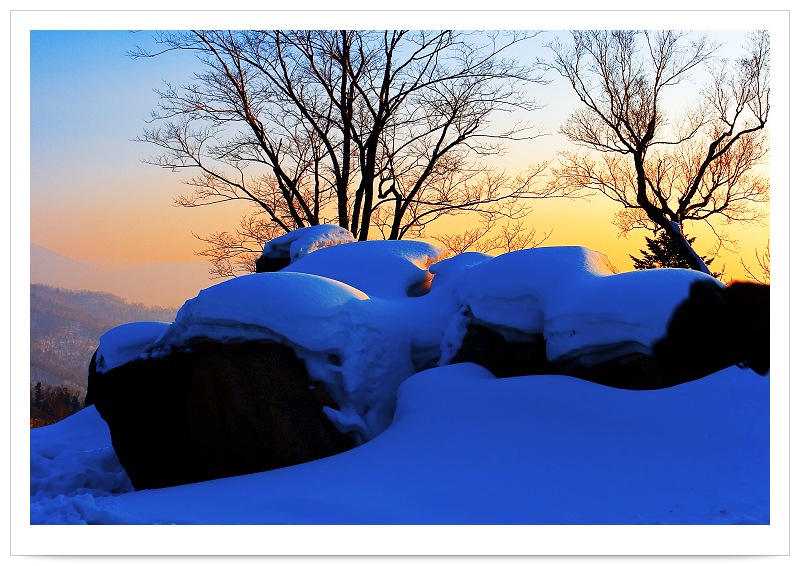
347,313
455,445
465,448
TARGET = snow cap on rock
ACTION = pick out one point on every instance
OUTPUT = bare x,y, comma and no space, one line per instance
298,243
379,268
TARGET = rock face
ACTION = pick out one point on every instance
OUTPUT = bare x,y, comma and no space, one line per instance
750,303
488,348
485,347
713,329
266,264
716,328
220,410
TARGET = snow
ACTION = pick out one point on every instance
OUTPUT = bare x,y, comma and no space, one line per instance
72,463
387,269
298,243
510,292
451,444
574,297
299,307
467,448
631,309
124,343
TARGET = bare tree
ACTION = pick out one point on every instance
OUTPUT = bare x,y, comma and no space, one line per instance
700,168
370,130
763,267
487,237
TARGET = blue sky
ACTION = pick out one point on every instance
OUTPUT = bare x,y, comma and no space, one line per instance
89,100
84,87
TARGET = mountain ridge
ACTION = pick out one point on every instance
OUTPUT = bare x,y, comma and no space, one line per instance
164,284
65,329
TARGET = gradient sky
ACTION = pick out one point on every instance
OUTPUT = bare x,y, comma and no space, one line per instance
92,199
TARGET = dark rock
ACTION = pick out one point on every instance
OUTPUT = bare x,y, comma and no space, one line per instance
269,264
218,410
713,329
716,328
750,304
92,378
635,371
491,350
488,348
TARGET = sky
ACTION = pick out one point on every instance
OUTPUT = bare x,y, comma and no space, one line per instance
93,199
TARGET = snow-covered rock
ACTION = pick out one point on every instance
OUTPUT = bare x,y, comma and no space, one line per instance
587,312
300,309
388,269
126,342
214,410
298,243
595,320
365,316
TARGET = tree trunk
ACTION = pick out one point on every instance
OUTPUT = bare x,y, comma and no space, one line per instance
346,105
676,234
367,180
658,216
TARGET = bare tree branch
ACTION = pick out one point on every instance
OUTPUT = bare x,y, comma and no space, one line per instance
700,171
371,130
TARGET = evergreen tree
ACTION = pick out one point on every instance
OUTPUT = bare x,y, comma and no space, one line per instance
663,252
51,404
38,399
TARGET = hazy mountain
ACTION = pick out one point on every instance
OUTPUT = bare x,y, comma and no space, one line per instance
162,284
66,327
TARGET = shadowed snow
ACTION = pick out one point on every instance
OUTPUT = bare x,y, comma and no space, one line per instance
455,445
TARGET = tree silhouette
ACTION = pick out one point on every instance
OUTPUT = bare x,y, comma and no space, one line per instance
663,252
52,404
379,132
664,174
760,275
38,399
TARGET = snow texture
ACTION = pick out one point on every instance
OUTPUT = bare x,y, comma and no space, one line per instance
124,343
300,242
453,444
72,463
466,448
365,316
388,269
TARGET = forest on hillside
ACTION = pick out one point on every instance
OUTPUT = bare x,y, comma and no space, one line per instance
65,330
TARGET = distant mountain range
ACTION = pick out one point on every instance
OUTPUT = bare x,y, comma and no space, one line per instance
66,327
159,284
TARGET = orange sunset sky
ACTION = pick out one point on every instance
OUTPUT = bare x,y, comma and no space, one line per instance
92,198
